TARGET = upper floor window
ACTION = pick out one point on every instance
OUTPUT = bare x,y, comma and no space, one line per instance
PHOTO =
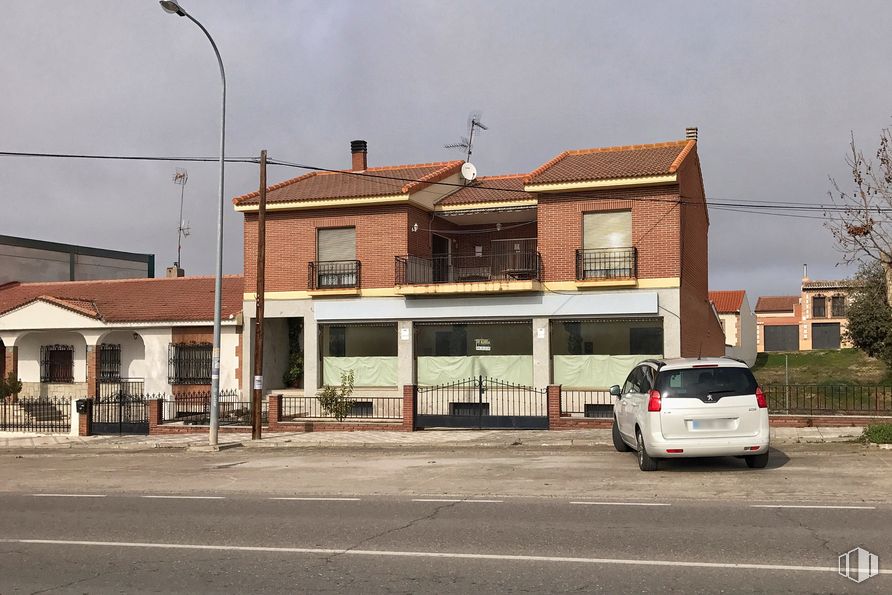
838,306
607,251
109,362
57,363
189,363
819,307
336,264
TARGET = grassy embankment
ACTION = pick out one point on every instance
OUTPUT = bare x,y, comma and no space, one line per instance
823,367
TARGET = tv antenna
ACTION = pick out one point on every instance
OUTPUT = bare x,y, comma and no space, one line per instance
180,177
467,143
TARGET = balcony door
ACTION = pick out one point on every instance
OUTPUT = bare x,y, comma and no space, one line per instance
440,249
336,255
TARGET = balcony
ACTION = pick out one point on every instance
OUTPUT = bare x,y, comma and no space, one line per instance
606,266
334,277
492,273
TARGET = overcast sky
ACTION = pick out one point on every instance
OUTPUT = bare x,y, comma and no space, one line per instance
776,89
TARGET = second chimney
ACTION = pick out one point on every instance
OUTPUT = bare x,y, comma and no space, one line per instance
690,133
360,150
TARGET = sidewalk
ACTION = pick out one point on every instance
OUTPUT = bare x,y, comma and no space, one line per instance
422,439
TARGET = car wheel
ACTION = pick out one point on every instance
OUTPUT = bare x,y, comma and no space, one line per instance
645,463
757,461
618,442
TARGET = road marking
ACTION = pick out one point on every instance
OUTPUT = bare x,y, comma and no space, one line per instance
69,495
457,500
319,499
159,497
442,555
812,506
623,503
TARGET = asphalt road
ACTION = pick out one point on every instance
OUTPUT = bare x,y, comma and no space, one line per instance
410,523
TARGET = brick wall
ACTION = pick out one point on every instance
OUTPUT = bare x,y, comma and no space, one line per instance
701,331
655,225
381,234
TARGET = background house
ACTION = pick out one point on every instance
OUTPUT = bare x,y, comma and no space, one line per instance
24,259
814,319
84,338
738,323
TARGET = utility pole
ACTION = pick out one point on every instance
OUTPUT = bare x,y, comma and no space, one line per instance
257,400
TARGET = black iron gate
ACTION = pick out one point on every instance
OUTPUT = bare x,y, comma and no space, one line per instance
483,403
121,408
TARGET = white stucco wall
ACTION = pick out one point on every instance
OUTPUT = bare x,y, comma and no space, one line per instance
133,351
29,353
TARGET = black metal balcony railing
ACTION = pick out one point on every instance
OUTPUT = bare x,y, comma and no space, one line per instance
334,274
510,266
606,263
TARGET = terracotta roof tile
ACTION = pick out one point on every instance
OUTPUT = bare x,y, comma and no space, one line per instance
727,302
630,161
181,299
489,189
777,303
841,284
375,181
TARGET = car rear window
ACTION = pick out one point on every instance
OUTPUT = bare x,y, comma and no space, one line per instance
696,382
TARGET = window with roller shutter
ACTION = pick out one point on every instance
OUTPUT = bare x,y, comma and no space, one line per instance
336,264
607,251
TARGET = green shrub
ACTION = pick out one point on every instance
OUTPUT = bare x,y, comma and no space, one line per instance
10,386
294,373
335,400
879,433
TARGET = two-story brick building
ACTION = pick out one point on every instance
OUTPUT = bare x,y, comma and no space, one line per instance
407,274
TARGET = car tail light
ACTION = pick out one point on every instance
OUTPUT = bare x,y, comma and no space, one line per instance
654,403
760,398
675,451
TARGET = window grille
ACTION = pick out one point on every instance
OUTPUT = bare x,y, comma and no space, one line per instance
189,363
57,363
109,362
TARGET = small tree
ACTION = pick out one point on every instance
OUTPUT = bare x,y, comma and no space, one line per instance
10,386
869,314
335,400
295,372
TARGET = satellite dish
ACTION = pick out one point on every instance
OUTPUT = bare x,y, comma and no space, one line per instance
469,172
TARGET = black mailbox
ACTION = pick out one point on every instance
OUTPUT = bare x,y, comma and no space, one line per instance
82,405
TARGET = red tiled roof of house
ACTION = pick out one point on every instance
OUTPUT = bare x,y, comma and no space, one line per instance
631,161
375,181
727,302
777,303
182,299
489,189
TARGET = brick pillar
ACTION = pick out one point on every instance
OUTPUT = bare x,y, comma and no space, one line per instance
408,407
92,371
156,414
12,361
554,406
85,422
275,406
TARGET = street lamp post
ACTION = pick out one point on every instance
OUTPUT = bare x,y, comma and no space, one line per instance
174,8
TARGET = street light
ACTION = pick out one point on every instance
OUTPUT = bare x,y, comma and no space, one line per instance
174,8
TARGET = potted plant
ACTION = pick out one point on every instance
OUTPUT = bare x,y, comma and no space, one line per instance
294,374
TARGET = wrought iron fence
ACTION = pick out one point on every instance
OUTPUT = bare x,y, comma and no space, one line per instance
508,266
334,274
587,403
829,400
195,409
606,263
38,414
308,408
122,386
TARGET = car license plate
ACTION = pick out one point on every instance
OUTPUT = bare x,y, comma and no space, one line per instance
710,424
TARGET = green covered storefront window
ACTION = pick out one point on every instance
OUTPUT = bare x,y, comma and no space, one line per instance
370,350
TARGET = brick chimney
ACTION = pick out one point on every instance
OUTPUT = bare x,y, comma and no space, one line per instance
360,150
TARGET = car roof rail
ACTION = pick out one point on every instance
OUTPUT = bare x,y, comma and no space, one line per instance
659,363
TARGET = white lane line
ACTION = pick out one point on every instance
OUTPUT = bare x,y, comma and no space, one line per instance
443,555
160,497
68,495
813,506
457,500
623,503
318,499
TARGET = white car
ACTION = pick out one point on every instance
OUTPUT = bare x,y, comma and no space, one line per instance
678,408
